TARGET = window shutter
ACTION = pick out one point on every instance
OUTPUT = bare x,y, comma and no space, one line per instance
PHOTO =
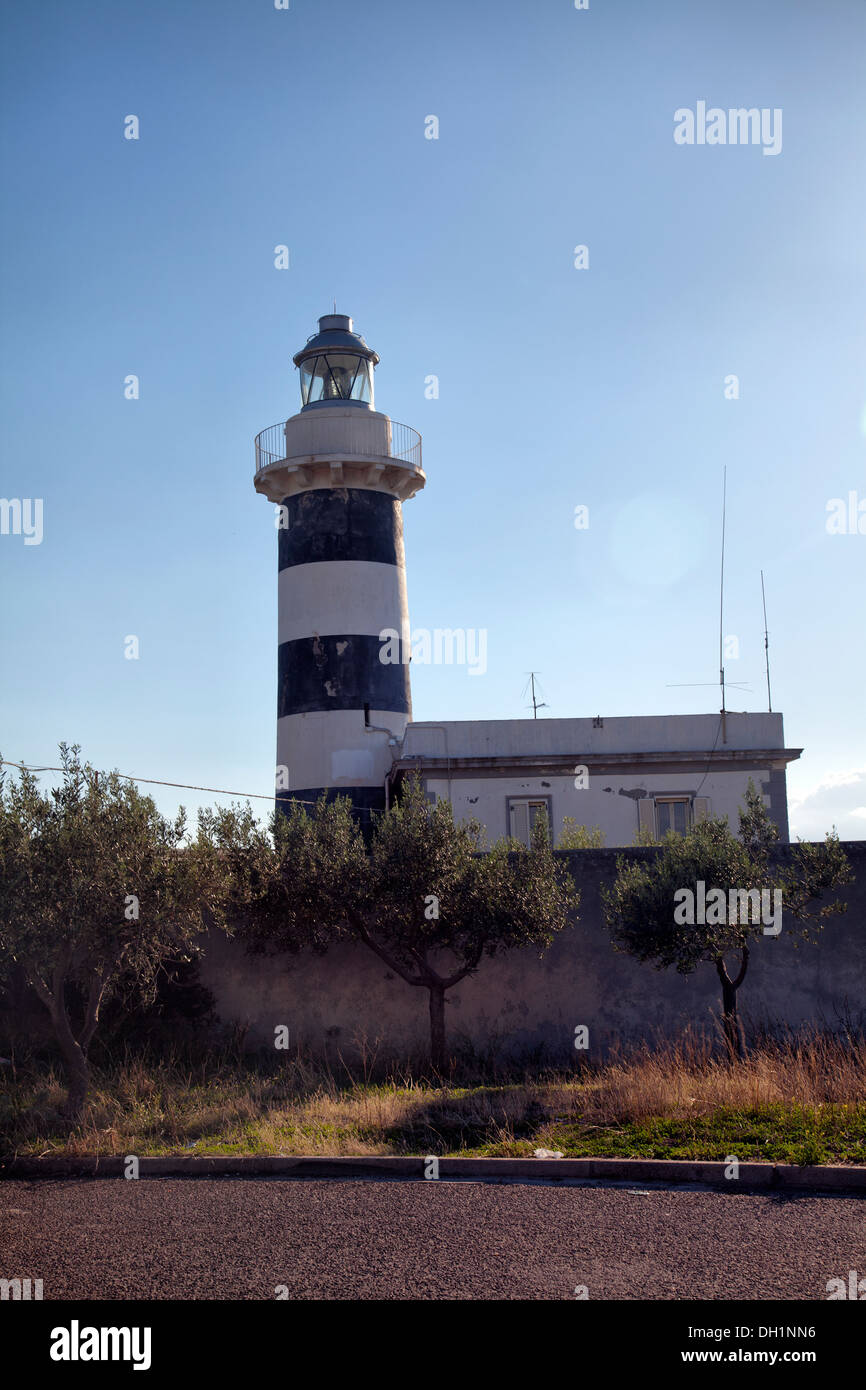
520,821
701,806
646,814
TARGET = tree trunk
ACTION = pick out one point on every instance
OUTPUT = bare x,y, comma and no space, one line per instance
437,1027
730,1022
74,1056
74,1062
730,1018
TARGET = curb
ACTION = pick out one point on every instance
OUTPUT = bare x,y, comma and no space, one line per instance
549,1170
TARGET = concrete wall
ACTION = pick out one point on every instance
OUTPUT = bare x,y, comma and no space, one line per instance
664,733
521,1002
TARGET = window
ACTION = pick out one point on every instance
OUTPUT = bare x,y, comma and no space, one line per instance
673,813
335,376
523,812
659,815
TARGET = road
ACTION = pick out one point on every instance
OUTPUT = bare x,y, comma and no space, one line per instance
237,1238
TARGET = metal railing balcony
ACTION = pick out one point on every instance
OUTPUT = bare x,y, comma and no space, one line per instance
403,444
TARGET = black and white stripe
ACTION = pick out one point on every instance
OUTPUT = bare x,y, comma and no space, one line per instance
342,582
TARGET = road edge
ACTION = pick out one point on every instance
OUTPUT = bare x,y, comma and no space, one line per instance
773,1176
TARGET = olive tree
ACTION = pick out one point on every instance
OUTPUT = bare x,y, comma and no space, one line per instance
573,835
708,894
421,896
97,890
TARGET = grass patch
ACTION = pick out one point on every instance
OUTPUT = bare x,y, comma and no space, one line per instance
772,1134
798,1101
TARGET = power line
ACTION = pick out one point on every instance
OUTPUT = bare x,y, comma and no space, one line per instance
712,751
155,782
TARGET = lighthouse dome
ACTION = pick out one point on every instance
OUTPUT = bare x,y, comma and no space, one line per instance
336,366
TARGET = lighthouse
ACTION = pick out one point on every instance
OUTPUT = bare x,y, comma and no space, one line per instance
338,473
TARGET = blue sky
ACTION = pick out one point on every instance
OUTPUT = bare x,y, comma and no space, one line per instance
558,387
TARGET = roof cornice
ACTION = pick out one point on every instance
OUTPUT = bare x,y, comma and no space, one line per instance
563,764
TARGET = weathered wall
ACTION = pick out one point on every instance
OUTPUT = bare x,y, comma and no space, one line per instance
520,1002
609,802
477,764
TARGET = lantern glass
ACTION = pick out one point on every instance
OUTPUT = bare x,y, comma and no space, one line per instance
335,376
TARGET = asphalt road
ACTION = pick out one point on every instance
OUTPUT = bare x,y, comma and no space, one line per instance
237,1238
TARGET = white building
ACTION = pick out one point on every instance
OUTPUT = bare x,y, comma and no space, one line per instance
623,775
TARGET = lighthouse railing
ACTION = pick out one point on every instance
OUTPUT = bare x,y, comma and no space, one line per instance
270,445
403,444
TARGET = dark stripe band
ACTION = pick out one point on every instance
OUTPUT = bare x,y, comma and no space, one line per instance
341,524
365,800
341,672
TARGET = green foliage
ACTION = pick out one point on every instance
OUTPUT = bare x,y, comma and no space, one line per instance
576,836
639,906
420,888
644,836
97,890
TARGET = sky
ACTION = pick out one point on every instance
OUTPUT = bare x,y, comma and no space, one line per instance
606,386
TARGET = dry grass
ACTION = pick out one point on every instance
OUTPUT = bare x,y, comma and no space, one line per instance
689,1078
229,1104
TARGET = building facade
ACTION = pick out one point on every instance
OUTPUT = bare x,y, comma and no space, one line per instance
632,778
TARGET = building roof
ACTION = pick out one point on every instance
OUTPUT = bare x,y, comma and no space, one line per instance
502,747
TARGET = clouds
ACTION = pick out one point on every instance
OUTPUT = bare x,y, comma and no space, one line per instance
840,800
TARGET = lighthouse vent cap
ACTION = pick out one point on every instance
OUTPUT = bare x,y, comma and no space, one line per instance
328,321
335,334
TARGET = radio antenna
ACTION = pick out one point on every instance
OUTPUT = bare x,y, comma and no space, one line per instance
766,645
722,605
536,704
734,685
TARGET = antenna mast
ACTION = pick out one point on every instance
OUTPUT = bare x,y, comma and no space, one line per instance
722,606
766,646
536,704
737,685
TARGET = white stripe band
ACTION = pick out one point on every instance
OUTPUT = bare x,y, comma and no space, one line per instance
333,597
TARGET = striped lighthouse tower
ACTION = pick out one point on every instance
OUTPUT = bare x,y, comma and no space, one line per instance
338,472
